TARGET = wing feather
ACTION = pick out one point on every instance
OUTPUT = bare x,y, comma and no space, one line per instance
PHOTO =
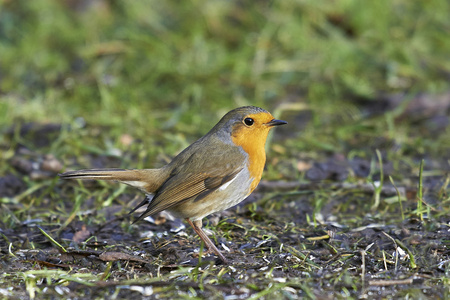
189,180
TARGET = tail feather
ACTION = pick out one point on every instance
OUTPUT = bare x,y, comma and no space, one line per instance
147,180
99,174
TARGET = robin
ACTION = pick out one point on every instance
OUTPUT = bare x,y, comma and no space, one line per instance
214,173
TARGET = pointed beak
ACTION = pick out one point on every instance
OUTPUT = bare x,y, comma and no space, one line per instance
275,122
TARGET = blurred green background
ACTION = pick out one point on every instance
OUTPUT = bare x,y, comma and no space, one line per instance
108,83
164,72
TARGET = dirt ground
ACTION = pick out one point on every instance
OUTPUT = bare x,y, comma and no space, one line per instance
322,237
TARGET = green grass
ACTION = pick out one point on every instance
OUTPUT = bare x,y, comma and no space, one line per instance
165,72
134,83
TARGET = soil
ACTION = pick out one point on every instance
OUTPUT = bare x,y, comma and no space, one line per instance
321,237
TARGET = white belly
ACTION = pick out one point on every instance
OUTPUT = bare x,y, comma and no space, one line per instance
226,196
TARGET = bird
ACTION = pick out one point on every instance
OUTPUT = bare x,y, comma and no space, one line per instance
214,173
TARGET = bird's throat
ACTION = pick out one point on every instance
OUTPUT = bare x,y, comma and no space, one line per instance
253,145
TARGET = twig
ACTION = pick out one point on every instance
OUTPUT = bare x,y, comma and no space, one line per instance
390,282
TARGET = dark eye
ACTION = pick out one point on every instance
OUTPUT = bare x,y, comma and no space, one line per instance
248,121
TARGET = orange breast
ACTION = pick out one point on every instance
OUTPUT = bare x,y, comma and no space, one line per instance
253,144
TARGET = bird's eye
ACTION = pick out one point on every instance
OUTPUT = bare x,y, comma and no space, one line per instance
248,121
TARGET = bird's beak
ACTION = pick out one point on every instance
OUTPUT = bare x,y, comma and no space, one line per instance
275,122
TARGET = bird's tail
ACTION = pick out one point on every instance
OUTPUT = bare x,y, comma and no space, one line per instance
147,180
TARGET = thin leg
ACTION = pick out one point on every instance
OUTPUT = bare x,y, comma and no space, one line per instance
197,225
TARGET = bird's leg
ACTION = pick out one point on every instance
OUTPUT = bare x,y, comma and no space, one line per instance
197,225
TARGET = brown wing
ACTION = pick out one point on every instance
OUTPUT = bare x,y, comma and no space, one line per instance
189,180
193,185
